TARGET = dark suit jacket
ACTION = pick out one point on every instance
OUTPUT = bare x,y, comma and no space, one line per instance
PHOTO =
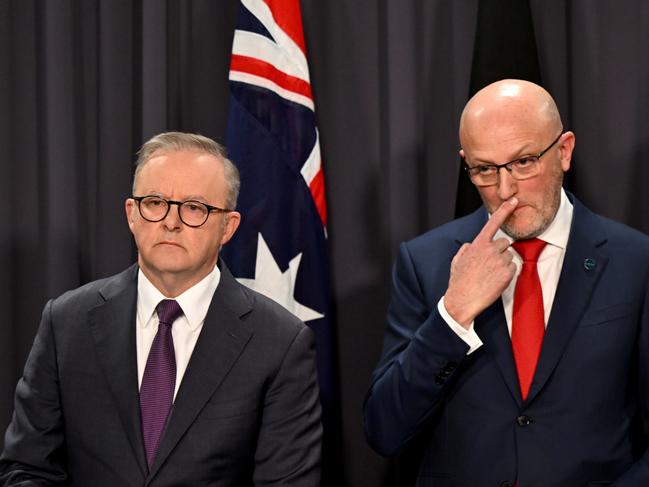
247,411
585,419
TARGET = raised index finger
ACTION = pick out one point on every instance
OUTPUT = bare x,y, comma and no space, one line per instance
498,217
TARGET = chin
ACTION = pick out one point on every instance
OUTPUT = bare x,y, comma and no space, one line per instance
520,234
168,263
523,231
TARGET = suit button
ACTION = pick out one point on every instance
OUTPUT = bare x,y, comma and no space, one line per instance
507,483
523,420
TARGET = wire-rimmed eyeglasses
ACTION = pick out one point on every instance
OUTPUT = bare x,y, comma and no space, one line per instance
522,168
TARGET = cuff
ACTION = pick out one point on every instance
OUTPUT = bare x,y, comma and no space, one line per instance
468,336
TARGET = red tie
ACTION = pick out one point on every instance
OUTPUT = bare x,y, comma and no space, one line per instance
528,324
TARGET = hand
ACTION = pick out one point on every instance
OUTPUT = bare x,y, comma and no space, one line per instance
481,270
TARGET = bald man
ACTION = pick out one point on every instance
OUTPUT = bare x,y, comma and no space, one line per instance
517,345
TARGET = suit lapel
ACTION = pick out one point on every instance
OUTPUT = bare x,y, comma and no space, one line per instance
583,265
223,337
112,326
491,327
491,324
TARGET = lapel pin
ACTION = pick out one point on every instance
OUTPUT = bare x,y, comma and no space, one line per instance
589,264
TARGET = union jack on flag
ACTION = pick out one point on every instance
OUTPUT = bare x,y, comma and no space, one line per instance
280,248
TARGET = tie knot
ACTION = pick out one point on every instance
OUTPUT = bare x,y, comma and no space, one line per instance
530,249
168,310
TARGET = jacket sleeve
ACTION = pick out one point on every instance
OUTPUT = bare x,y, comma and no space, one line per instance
421,354
289,446
34,451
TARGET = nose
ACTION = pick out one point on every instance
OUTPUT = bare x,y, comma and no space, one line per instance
507,185
172,221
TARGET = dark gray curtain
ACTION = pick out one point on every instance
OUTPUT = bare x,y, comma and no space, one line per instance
390,80
594,57
84,82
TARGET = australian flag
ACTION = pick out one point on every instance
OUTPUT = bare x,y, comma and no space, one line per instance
280,248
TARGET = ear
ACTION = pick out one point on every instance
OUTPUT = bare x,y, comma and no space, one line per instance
130,208
566,146
232,220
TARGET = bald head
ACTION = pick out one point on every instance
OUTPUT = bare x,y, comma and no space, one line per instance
509,102
515,126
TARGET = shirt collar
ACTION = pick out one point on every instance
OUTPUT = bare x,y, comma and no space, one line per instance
558,231
195,301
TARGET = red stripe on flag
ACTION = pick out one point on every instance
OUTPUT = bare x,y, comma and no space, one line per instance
317,189
288,16
263,69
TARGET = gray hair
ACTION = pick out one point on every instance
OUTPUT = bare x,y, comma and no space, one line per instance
181,141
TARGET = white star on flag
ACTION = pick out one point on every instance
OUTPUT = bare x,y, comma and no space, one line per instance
279,286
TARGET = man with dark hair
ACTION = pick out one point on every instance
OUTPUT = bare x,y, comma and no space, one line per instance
170,373
517,345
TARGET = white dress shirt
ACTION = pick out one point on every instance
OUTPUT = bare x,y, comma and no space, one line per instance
185,330
548,266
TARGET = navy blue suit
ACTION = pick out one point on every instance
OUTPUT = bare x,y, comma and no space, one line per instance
585,421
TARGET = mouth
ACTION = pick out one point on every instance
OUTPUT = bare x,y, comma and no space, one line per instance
174,244
520,207
515,217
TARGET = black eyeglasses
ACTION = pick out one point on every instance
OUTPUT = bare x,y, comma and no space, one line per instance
522,168
192,213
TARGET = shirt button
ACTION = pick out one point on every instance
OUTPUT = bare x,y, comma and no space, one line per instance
523,420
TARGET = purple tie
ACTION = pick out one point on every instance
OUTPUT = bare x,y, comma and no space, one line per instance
159,380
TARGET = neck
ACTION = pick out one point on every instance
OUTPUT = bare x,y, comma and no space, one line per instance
172,284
